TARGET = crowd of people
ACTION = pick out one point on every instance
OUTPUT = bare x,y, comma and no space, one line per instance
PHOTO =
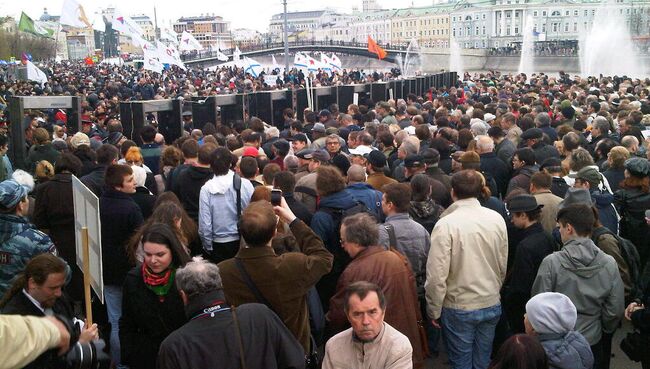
503,221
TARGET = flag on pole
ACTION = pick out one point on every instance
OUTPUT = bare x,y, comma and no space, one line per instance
189,43
376,49
221,56
335,63
74,15
169,55
98,23
312,64
169,35
300,62
325,63
35,74
125,24
252,67
26,24
151,63
142,43
275,62
236,55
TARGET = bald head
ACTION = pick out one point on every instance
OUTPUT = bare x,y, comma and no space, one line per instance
484,144
356,174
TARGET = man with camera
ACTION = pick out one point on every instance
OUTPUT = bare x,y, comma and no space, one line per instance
38,292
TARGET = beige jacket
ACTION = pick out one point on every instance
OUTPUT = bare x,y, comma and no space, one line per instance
467,260
24,338
549,211
390,350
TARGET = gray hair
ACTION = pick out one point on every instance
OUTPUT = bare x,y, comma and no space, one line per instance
356,173
580,158
602,124
361,229
410,145
198,277
484,144
542,119
629,142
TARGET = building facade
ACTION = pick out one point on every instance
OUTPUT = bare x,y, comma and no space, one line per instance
210,30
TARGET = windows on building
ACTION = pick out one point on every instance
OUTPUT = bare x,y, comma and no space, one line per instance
535,13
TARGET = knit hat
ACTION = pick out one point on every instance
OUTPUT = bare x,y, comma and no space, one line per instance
551,312
140,175
79,139
11,192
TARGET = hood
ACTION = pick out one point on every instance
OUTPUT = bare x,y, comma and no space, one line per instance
602,199
198,173
11,225
339,200
582,257
424,209
570,351
220,184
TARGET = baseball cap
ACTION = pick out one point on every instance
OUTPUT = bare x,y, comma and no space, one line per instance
413,160
250,151
302,154
320,155
11,192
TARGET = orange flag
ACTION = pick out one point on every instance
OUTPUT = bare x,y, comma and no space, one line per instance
376,49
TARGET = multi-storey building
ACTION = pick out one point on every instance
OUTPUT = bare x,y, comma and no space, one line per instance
298,22
210,30
148,29
429,26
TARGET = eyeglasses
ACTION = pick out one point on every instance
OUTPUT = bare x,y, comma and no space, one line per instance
333,143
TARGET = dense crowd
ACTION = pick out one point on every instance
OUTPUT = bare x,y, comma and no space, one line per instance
507,215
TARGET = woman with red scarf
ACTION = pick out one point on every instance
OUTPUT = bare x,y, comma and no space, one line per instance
151,305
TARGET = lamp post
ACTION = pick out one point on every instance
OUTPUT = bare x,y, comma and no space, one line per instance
286,39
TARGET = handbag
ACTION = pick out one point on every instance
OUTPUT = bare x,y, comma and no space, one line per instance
635,346
312,360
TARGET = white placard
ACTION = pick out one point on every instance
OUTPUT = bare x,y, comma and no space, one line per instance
86,214
390,93
355,99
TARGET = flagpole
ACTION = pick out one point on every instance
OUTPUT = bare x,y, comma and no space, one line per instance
286,39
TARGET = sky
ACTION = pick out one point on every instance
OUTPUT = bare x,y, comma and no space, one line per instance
254,14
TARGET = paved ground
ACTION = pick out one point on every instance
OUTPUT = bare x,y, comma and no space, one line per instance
619,359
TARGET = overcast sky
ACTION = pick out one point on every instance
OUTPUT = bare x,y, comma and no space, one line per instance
253,14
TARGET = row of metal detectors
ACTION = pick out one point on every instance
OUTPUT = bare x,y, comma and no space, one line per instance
224,109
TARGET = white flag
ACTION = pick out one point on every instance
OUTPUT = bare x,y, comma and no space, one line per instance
189,43
169,35
325,63
335,63
74,15
98,23
252,67
275,62
221,56
35,74
236,55
125,24
169,55
151,63
300,62
312,64
142,43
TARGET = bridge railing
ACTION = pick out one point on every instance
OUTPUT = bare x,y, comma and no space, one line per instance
208,54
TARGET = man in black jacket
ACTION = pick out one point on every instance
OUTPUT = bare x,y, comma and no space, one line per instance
217,333
534,246
492,165
286,182
120,216
187,185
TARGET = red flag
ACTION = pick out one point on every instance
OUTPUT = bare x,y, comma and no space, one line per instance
376,49
89,61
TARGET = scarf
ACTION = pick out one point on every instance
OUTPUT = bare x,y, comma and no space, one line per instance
158,283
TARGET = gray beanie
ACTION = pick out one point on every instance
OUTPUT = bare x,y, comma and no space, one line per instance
551,312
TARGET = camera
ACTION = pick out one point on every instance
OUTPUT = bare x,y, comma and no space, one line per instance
89,355
276,197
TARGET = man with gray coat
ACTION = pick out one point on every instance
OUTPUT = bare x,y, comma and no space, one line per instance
589,277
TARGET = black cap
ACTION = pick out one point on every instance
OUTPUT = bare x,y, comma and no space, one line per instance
638,167
376,158
299,137
533,133
282,145
430,156
523,203
324,113
550,162
413,160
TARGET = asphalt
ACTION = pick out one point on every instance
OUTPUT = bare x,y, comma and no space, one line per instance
619,359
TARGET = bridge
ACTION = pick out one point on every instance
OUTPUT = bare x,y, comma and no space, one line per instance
351,48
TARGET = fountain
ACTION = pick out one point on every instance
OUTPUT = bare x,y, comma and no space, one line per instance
526,63
411,64
607,47
455,58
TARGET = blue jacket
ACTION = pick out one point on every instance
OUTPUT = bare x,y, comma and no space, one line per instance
606,211
19,242
368,195
569,351
323,224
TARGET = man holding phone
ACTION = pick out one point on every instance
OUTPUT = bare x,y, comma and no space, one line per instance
246,276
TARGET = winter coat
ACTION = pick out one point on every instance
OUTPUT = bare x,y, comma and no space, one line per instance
499,171
95,180
378,180
590,278
19,242
522,178
120,216
298,208
606,212
294,273
631,205
505,150
53,211
426,213
145,201
41,152
614,177
146,321
569,351
366,194
187,186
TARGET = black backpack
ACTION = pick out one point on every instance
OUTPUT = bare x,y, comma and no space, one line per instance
631,257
